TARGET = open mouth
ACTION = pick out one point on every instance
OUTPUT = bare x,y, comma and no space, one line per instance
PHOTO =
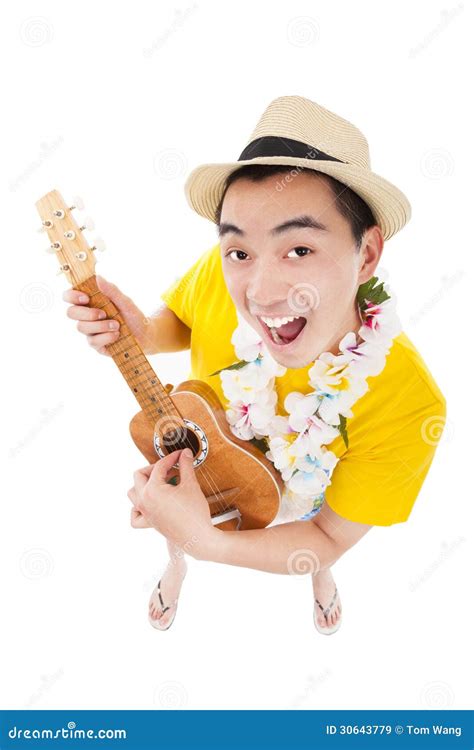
282,331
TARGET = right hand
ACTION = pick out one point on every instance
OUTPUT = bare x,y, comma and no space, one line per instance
97,328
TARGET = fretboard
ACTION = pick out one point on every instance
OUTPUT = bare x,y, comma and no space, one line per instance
132,362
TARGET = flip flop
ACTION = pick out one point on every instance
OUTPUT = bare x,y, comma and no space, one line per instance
155,623
333,628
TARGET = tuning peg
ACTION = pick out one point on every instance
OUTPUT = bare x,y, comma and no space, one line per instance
62,269
99,244
78,203
47,224
53,248
88,224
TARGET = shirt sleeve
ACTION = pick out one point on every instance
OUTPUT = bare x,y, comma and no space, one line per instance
379,486
181,296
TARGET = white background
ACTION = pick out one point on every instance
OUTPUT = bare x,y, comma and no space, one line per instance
118,102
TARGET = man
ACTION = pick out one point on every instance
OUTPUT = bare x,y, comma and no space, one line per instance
299,212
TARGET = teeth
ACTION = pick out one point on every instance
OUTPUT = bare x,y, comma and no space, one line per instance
277,322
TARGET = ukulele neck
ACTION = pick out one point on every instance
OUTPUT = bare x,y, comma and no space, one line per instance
131,361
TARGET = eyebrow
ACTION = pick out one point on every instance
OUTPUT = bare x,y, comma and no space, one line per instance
298,222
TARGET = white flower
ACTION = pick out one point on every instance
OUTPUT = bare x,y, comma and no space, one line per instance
247,343
293,506
302,418
246,382
382,323
250,420
308,482
281,455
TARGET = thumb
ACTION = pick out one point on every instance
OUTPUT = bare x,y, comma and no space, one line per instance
112,291
132,315
186,467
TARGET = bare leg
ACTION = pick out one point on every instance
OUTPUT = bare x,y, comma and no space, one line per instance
323,582
171,582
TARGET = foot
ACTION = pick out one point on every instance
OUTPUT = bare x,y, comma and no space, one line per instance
170,587
323,590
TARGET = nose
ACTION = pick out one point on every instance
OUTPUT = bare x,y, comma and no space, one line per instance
265,289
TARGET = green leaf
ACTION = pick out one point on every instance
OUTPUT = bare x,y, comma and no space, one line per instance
235,366
371,291
342,427
259,443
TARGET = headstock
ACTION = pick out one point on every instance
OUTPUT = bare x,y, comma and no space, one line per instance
66,236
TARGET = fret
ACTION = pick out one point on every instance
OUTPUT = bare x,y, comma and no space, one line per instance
138,356
130,359
128,345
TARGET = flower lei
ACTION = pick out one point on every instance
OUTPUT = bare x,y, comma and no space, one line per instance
296,443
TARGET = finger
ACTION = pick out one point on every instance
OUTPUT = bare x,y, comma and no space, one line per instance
91,327
137,520
140,479
104,350
162,467
75,297
186,467
145,471
79,312
103,339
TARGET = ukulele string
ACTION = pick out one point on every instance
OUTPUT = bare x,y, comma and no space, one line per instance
220,503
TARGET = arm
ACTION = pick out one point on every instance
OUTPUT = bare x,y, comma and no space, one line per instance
289,548
168,332
181,513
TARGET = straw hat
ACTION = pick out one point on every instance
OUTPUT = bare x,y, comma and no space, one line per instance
296,131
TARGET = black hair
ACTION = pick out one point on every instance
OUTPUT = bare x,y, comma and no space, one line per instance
350,205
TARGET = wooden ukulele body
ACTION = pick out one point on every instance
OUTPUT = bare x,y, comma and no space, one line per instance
235,476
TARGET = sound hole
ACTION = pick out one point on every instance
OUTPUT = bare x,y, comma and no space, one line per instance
175,440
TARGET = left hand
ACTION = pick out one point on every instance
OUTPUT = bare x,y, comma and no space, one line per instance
181,513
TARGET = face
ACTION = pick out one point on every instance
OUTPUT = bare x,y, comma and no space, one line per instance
290,264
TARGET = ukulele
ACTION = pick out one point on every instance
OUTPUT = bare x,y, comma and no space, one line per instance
241,485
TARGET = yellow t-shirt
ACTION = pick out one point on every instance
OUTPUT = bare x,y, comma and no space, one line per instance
396,425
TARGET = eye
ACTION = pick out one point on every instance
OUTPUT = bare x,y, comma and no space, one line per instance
305,251
239,252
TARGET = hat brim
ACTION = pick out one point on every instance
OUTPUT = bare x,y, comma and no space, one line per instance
205,185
